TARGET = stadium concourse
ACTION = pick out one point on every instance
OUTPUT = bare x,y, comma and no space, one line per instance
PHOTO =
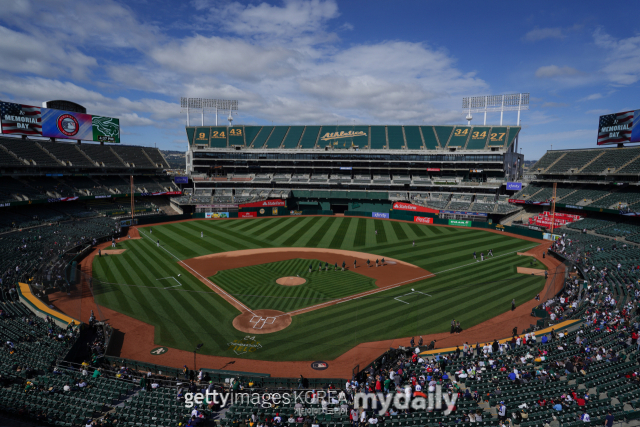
138,340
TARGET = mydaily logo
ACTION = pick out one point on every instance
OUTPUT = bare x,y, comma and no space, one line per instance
383,403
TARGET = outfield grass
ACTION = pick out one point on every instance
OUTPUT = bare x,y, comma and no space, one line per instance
468,291
255,286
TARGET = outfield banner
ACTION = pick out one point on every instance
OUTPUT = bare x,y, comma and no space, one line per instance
181,179
18,119
65,124
464,213
105,129
247,214
433,169
515,186
63,199
216,215
379,215
128,222
413,208
264,204
218,206
460,222
423,220
295,212
528,202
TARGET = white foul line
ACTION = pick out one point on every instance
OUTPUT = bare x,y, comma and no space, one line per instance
201,276
171,277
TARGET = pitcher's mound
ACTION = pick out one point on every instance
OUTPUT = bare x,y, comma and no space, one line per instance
262,321
291,281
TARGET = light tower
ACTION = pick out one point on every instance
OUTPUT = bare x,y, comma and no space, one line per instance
494,103
210,105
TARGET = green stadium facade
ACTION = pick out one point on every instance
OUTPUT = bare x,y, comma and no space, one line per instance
351,168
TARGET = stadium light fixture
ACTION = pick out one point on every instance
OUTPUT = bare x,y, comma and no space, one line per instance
219,106
494,103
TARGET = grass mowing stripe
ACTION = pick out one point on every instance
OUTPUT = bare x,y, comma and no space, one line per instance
270,225
361,232
291,224
340,233
381,236
397,228
297,236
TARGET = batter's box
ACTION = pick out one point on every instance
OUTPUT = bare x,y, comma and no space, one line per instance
259,321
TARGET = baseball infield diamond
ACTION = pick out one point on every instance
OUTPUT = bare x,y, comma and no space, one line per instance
162,286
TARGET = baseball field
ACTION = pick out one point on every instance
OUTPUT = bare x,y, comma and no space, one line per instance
218,282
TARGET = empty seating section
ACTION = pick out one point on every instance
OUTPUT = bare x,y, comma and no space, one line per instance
588,224
526,192
309,137
402,179
574,161
546,160
362,179
53,186
583,197
6,159
498,136
262,137
459,206
29,151
282,177
147,185
413,138
396,138
478,138
378,137
618,199
620,230
101,155
300,178
613,158
293,137
276,137
442,132
547,193
632,168
430,140
382,179
156,157
67,153
459,137
134,156
250,133
115,183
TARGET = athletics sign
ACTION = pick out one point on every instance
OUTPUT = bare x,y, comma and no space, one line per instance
413,208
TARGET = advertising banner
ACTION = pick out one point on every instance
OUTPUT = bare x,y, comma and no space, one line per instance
516,186
264,204
105,129
528,202
162,193
549,236
464,213
65,124
247,214
619,128
423,220
295,212
216,215
18,119
380,215
413,208
460,222
181,179
128,222
433,169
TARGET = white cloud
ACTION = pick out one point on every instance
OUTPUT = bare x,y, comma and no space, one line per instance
597,112
544,33
591,97
292,19
551,71
622,57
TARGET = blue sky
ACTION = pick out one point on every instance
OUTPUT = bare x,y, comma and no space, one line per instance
325,61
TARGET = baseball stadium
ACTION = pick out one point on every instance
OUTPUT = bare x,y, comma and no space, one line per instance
317,258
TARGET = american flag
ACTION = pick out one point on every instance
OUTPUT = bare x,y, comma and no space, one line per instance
613,121
20,119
